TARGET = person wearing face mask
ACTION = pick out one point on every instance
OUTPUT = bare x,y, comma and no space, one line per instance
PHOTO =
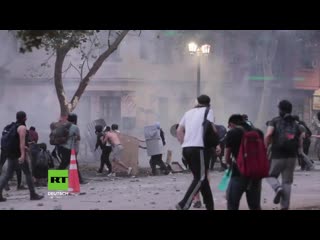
287,141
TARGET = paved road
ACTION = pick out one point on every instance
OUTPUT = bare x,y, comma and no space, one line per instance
157,193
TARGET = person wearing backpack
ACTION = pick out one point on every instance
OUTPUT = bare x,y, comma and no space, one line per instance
73,141
286,137
192,133
244,153
14,143
105,148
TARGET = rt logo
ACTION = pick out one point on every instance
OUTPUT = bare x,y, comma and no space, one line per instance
58,180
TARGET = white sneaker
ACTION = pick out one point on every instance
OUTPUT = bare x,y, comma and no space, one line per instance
111,174
129,170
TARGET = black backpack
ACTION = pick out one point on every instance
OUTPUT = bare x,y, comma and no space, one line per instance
210,137
42,163
222,131
9,138
287,135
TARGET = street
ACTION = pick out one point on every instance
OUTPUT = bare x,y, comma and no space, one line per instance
156,193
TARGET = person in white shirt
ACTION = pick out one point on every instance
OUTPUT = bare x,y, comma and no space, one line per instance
190,135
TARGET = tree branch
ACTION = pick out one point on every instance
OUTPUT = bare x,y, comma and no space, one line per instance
69,66
109,34
76,69
81,73
50,57
89,68
95,67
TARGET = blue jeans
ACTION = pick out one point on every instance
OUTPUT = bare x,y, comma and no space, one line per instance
239,185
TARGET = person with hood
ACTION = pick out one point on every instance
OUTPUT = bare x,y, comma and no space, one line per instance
286,137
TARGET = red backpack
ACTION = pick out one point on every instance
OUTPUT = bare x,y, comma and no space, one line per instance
252,158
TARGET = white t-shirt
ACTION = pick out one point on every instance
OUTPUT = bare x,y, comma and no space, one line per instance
192,122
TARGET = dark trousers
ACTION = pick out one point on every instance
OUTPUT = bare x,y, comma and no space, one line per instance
104,160
216,158
237,186
12,165
156,160
34,150
65,155
306,146
198,162
3,159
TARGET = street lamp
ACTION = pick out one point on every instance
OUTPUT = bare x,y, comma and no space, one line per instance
203,50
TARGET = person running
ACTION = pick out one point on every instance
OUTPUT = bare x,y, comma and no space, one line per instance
117,148
287,141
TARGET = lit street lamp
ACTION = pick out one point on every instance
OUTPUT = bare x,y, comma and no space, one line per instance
203,50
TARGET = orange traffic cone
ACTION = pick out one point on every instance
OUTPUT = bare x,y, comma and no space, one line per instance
74,185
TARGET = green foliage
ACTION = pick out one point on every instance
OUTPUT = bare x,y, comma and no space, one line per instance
52,39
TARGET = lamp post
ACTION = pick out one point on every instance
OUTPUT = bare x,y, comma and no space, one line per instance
199,51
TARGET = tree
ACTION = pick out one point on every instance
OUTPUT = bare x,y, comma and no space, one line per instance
267,47
59,43
280,51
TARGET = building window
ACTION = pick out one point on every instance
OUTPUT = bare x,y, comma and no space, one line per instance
110,108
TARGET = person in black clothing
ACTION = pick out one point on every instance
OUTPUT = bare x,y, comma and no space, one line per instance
106,150
17,158
157,159
246,119
286,137
238,183
222,131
